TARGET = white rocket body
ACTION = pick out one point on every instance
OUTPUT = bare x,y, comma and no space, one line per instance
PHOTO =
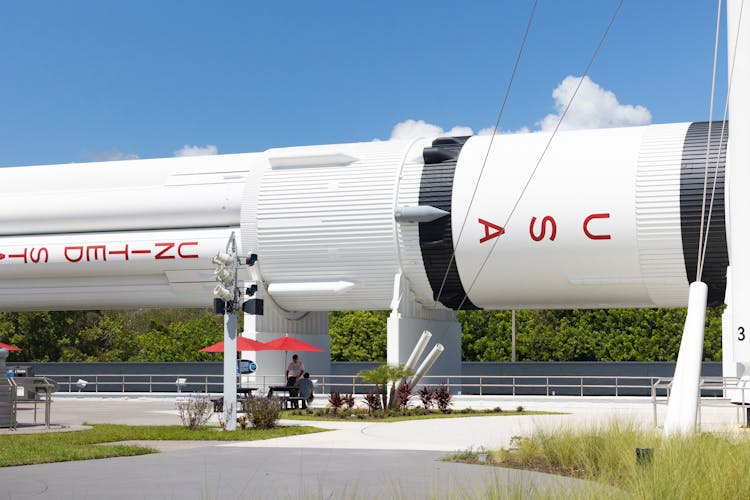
601,224
116,234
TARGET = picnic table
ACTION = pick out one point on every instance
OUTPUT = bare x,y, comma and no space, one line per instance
246,392
291,396
243,393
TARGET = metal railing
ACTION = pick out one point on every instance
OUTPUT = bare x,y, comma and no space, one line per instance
153,383
506,385
479,385
714,391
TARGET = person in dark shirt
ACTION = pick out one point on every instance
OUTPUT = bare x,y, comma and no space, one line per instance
306,388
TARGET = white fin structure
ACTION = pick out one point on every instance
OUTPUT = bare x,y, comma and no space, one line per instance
682,408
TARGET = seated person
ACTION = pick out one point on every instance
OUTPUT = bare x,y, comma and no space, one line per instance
306,387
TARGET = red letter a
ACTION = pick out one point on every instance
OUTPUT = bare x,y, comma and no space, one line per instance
487,235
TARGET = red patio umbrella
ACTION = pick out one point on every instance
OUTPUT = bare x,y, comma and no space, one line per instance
287,343
9,347
243,344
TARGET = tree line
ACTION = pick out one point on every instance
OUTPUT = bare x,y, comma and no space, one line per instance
178,334
137,335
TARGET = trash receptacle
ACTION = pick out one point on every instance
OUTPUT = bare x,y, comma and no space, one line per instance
7,394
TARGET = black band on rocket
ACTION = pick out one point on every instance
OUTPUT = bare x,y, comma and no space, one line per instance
436,237
692,175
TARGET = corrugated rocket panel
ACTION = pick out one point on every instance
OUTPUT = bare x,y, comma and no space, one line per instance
249,208
436,237
326,227
693,175
408,233
657,202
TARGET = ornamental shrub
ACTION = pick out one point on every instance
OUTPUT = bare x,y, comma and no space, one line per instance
263,411
443,398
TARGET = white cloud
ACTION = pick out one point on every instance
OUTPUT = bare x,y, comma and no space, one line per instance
490,130
188,150
593,107
412,129
113,155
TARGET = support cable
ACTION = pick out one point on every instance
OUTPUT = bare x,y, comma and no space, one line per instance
699,270
544,152
492,138
721,141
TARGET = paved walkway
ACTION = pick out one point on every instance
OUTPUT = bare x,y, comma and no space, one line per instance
352,460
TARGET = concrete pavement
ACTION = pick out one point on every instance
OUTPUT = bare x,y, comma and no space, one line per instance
353,460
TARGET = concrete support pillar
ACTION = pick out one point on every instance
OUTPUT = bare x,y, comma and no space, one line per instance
409,319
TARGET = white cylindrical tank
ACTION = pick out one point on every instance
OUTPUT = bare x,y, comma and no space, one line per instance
136,233
167,268
608,219
188,192
583,233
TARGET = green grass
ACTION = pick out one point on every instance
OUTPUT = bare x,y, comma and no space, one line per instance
698,466
360,414
26,449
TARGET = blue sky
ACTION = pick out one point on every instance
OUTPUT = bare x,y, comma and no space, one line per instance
93,80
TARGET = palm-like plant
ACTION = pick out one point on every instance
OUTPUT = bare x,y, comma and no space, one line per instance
381,375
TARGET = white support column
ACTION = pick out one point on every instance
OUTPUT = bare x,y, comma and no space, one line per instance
409,319
682,408
736,339
230,370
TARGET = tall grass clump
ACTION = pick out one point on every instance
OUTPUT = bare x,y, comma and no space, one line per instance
698,466
605,454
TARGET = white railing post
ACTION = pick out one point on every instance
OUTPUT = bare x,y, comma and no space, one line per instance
653,401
